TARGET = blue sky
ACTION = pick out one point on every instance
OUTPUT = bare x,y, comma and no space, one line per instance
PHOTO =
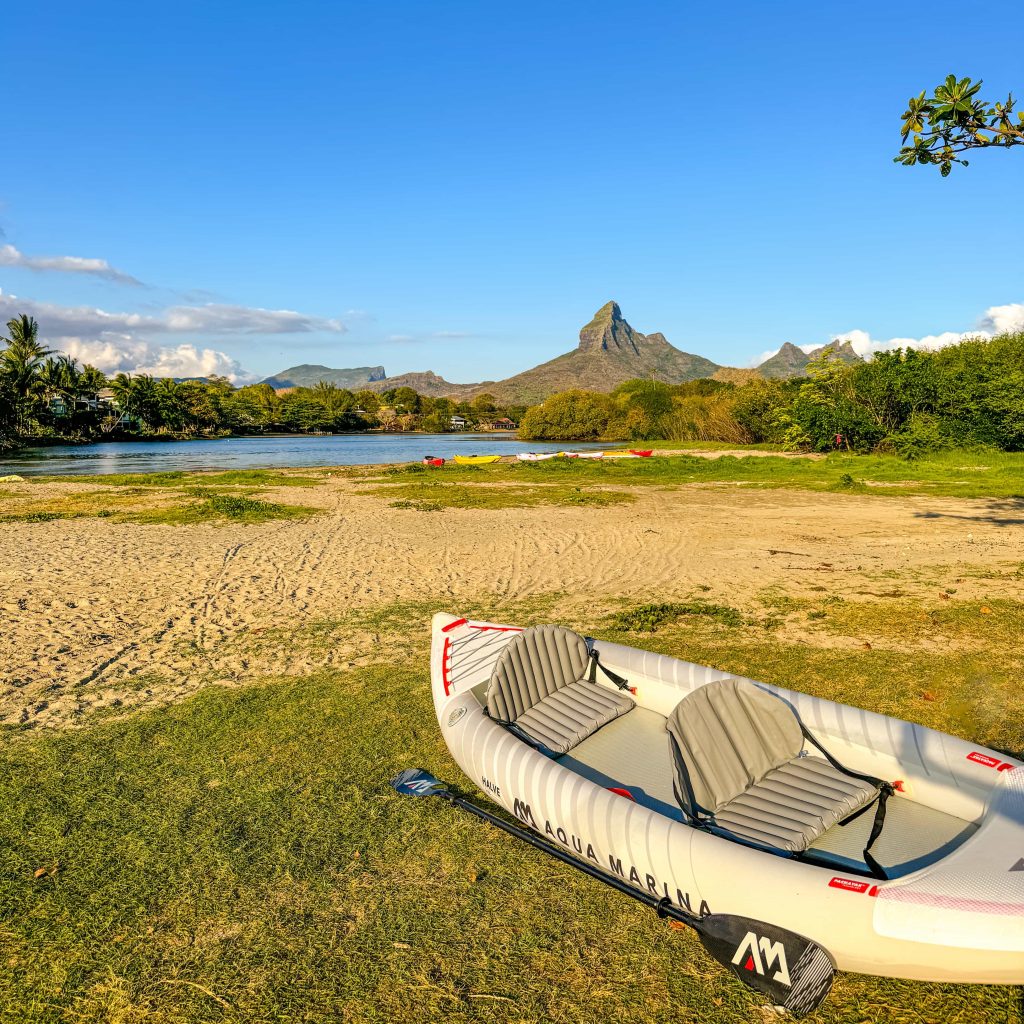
458,186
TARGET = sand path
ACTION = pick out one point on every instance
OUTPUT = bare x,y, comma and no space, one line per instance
97,615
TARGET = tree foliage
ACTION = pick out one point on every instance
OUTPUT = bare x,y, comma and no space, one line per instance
46,395
953,120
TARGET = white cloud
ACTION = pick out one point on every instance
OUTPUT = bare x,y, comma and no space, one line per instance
452,334
11,257
998,319
117,353
400,338
64,321
117,342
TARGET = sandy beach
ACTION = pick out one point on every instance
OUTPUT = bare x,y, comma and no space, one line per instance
100,617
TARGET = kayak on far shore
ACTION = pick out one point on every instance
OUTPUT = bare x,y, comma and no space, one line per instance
476,460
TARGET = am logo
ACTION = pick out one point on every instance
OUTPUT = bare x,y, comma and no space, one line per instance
761,956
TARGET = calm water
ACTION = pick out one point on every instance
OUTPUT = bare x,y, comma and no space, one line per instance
262,452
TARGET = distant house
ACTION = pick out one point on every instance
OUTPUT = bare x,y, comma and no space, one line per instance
502,423
58,404
458,423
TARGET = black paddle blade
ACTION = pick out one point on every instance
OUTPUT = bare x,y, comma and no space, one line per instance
417,782
791,970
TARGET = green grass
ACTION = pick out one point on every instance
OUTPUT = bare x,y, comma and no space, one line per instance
262,478
185,510
962,474
176,499
222,508
648,618
240,857
435,495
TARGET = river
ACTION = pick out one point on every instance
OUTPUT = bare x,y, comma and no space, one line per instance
262,452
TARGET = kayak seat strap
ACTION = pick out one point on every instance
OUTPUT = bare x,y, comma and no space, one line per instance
595,664
542,685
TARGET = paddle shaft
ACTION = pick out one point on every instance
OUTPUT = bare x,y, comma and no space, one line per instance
662,906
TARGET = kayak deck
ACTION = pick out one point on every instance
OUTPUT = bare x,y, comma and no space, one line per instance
632,753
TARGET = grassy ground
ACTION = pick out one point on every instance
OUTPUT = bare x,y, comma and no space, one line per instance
239,857
174,499
998,475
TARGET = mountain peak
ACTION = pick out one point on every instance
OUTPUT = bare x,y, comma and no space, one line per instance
608,332
841,350
609,310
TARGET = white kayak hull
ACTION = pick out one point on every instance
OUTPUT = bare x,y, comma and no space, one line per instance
959,917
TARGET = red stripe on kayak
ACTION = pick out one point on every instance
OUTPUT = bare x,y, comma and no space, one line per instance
444,663
452,625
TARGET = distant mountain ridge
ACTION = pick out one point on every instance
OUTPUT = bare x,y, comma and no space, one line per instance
791,361
609,352
308,375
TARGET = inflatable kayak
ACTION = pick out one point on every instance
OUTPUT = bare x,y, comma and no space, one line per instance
535,456
433,460
476,460
896,848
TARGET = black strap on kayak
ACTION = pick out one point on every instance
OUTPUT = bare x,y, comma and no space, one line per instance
595,664
698,816
884,793
885,790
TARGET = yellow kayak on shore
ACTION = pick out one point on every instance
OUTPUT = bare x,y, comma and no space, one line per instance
475,460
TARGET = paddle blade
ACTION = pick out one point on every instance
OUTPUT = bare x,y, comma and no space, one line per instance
417,782
792,971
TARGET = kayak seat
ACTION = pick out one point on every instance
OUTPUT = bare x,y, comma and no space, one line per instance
740,769
542,689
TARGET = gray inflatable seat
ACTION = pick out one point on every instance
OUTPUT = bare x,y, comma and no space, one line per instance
540,686
736,751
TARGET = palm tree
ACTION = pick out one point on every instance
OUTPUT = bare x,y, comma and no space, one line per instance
91,380
167,395
21,359
123,387
59,378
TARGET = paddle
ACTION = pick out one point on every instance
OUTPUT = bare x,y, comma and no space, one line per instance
792,971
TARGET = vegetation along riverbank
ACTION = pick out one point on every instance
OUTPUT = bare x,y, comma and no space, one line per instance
907,403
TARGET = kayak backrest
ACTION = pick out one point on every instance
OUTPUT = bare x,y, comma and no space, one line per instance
725,737
537,663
